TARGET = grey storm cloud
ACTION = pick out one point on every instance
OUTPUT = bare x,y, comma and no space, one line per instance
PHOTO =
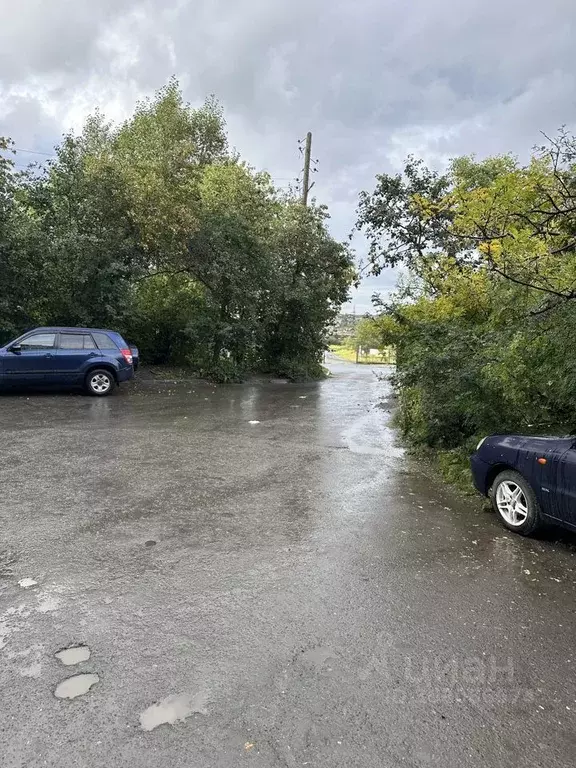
39,38
373,79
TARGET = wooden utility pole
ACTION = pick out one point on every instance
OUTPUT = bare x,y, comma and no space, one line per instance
307,155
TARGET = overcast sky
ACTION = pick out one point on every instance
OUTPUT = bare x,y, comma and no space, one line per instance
372,79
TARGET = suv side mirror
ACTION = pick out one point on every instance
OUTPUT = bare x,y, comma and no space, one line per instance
15,348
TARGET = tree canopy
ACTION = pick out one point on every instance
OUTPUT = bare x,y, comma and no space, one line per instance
155,228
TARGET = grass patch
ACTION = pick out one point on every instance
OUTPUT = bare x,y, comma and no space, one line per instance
454,467
165,373
450,467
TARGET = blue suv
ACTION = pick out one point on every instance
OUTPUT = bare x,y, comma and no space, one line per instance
94,358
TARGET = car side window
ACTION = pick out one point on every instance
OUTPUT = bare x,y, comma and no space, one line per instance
104,341
76,341
39,341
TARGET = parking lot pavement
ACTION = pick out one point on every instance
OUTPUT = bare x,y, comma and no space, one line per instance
258,574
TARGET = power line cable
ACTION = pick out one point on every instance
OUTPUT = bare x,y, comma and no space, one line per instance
32,151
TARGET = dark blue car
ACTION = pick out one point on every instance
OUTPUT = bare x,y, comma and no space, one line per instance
94,358
529,480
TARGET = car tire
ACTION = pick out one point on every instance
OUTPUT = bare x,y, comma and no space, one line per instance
515,503
100,382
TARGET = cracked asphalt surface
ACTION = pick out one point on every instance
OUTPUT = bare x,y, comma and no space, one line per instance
292,592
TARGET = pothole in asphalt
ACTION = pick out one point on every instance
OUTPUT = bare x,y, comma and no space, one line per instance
75,686
73,655
150,543
172,709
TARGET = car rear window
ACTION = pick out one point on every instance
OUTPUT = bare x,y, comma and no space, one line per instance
104,341
76,341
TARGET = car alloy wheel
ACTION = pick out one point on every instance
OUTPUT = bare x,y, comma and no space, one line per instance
100,383
512,503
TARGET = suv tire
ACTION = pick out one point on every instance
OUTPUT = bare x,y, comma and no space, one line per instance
100,382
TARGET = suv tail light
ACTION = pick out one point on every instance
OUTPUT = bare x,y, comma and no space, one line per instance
127,355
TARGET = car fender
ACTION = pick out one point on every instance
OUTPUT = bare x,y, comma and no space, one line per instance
101,362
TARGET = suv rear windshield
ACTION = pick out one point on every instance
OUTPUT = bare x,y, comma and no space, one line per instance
104,341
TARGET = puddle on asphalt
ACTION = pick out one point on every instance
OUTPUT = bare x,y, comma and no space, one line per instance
371,435
74,655
172,709
75,686
318,656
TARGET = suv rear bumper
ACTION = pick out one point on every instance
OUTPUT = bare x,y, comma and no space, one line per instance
124,374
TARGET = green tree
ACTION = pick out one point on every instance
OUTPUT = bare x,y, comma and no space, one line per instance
482,322
21,251
312,274
160,153
92,250
367,336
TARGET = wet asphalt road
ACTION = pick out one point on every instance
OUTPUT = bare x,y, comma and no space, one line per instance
297,588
